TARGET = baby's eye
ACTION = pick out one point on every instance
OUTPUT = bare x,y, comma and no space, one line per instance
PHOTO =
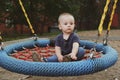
65,23
71,23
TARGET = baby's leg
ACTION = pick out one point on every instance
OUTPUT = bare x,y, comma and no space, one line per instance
53,58
80,53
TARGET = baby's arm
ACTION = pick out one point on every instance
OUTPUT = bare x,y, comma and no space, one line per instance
58,53
74,50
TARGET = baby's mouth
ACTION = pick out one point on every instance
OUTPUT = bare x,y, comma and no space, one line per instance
68,29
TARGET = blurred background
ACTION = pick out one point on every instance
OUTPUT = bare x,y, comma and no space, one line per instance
43,15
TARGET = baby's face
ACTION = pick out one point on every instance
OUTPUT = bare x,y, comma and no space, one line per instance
67,24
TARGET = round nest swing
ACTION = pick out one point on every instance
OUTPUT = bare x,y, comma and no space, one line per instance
75,68
12,59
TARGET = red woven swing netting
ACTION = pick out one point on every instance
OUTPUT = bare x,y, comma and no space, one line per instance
45,52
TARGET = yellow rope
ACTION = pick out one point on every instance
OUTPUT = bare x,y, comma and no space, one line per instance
0,37
32,30
100,28
112,14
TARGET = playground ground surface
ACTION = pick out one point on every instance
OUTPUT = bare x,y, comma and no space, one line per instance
112,73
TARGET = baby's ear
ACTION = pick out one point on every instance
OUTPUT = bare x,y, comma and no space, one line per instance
59,27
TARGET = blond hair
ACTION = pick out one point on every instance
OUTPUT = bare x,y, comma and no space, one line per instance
64,14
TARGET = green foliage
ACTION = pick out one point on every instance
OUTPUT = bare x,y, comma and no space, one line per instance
42,12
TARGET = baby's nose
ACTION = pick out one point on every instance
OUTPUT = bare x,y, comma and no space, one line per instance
69,25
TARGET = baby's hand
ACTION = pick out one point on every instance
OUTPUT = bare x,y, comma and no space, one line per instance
73,56
60,58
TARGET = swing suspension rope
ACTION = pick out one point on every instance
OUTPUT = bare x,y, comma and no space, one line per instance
29,23
112,14
100,28
26,16
1,43
105,40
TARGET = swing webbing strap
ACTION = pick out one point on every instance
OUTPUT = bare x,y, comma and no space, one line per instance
23,9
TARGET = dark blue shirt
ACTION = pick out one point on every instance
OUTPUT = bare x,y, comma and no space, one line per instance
66,45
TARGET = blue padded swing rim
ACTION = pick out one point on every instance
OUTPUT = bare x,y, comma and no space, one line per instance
75,68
